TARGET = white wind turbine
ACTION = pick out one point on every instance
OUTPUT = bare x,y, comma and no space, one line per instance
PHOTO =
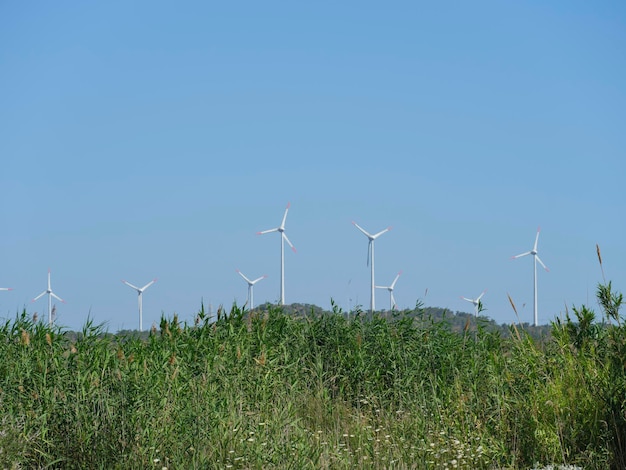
392,300
535,259
283,238
251,284
476,301
139,296
370,259
50,295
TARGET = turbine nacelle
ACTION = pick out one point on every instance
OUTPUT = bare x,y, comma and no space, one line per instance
369,235
371,239
533,252
251,283
139,289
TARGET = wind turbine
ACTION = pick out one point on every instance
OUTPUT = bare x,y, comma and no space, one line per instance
475,301
139,295
251,284
535,259
283,238
50,295
370,256
392,301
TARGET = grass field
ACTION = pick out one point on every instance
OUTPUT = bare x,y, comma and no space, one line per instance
317,391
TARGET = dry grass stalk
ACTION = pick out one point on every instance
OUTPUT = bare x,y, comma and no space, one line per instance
600,260
518,320
25,337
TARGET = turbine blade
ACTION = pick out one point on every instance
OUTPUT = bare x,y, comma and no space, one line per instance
536,239
469,300
369,251
541,263
282,224
288,242
130,285
381,232
6,288
362,230
523,254
245,278
148,285
57,297
480,296
393,301
395,280
258,279
267,231
39,296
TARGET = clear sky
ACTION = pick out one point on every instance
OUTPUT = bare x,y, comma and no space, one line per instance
153,139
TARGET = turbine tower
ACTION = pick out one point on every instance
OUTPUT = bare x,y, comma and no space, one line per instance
535,259
370,259
475,301
283,238
392,301
50,295
139,295
251,284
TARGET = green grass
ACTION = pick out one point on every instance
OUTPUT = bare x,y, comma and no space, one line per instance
317,391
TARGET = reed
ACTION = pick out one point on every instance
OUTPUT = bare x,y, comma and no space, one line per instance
331,390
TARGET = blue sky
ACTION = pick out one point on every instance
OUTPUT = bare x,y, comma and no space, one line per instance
154,139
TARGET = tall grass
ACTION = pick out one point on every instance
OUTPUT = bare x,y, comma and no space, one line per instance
319,391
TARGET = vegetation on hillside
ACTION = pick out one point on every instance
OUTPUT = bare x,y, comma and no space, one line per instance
456,321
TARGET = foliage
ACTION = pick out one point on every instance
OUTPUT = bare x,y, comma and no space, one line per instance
315,389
